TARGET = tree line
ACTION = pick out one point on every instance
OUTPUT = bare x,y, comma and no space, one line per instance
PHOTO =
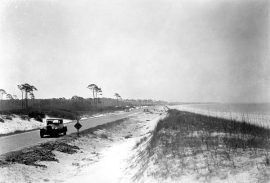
27,91
63,107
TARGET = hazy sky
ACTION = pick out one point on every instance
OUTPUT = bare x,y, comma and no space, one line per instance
176,50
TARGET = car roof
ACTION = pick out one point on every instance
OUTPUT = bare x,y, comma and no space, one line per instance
54,119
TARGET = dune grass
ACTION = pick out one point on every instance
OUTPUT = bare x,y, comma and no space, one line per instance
185,143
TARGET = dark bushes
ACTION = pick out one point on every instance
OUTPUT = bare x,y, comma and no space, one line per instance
62,114
42,152
36,115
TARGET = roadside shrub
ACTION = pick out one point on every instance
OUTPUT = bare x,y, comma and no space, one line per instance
38,118
8,117
104,136
1,120
36,115
62,114
24,117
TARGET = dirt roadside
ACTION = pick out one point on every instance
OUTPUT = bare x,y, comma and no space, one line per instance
72,158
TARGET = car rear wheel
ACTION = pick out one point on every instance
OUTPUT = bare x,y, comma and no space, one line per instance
41,134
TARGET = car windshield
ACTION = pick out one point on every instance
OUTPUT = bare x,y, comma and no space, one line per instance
54,122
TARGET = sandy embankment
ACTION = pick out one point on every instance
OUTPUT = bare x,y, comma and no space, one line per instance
103,155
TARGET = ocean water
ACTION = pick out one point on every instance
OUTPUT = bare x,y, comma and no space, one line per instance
257,108
258,113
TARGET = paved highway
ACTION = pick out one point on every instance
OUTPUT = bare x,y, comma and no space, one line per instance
21,140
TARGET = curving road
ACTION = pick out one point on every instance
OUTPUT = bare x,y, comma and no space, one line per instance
22,140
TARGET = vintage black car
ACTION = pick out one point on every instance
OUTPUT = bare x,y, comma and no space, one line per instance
54,127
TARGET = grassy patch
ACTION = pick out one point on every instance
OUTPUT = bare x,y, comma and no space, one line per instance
42,152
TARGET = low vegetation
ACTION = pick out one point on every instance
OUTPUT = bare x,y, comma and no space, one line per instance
43,152
187,144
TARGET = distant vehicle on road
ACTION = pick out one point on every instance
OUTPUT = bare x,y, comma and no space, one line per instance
145,110
54,127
